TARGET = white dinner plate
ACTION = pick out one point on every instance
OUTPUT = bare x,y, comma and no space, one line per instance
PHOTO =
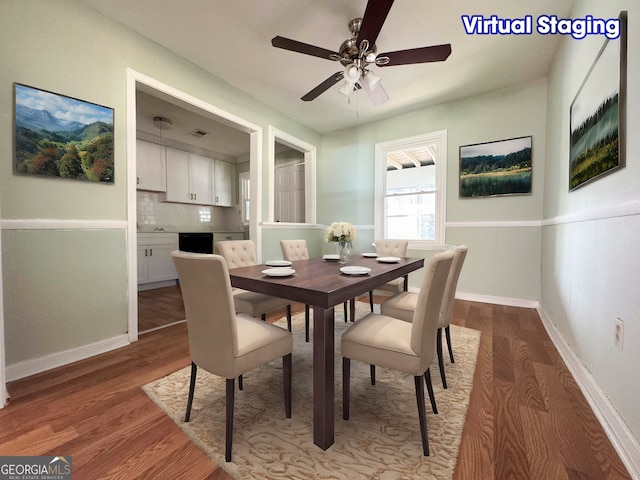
278,263
370,255
278,272
355,270
389,259
331,258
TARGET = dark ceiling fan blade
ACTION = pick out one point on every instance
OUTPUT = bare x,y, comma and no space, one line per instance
323,87
300,47
374,17
436,53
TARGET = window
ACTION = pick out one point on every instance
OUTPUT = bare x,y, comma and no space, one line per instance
291,179
245,197
410,189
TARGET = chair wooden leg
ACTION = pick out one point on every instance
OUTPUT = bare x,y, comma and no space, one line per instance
346,306
371,299
447,332
422,413
289,317
229,411
372,370
432,398
192,387
306,323
440,359
346,381
286,372
240,386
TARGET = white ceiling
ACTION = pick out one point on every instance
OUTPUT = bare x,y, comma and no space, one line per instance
232,40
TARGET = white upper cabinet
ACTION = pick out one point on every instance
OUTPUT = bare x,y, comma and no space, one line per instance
151,169
197,179
200,184
223,182
177,177
189,178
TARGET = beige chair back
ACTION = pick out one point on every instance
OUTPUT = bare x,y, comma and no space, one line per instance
392,247
446,310
293,250
208,304
427,312
237,253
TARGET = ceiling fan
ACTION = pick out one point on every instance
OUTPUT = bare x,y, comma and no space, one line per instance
359,52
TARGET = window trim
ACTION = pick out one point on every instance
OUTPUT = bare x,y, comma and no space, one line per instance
381,150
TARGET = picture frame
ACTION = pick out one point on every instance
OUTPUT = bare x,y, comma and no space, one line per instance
597,129
62,137
496,168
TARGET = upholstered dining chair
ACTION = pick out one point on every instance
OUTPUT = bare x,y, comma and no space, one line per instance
221,342
242,253
393,343
391,248
402,305
294,250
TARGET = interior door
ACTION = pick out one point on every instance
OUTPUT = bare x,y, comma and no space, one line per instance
289,193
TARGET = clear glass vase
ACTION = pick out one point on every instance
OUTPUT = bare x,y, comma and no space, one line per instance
344,250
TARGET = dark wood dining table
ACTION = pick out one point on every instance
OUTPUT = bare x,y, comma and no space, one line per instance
320,284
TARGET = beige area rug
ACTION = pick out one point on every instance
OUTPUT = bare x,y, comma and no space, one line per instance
380,441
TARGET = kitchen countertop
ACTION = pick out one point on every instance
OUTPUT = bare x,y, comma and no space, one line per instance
181,229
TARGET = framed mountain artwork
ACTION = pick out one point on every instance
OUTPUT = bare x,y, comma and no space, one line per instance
60,136
598,114
491,169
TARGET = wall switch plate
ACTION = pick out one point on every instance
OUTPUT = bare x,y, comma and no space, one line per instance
618,333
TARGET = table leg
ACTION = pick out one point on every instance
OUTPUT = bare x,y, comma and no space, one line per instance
323,376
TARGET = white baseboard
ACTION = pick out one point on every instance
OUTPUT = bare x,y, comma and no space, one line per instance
150,286
620,436
510,302
27,368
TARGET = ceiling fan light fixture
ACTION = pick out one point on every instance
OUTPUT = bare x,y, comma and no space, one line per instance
351,73
347,88
371,79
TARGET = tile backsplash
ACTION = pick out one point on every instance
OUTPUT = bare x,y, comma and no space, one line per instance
152,213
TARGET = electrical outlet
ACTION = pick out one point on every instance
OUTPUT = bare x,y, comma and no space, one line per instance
618,334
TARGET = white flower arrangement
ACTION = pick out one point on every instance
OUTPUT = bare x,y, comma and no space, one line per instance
341,232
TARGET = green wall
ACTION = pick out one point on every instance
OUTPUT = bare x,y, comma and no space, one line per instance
503,233
68,286
590,265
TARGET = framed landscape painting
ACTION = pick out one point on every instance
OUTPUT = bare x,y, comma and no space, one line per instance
60,136
598,115
496,168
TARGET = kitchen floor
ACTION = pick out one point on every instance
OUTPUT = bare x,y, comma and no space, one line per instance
159,307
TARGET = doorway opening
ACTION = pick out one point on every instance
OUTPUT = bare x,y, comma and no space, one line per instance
184,109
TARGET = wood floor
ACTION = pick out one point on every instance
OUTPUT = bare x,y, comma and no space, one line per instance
527,418
159,307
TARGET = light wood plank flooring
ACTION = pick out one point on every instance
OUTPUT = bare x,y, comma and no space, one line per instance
527,418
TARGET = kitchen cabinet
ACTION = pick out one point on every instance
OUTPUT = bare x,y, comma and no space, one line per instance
151,171
223,182
154,257
189,178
